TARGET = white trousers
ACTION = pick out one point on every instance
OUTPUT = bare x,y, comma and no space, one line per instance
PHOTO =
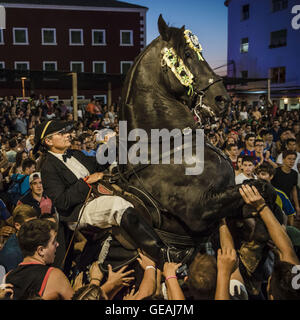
103,212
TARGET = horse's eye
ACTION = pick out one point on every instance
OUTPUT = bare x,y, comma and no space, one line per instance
187,54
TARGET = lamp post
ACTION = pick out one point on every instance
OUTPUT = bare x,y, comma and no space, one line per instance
75,92
23,86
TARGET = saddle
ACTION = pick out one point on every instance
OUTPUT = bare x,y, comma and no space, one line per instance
114,246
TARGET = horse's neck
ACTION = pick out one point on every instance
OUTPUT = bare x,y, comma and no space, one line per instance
150,105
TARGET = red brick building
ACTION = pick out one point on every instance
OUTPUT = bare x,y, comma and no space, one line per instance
90,36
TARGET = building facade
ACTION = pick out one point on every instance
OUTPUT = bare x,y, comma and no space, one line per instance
83,36
263,42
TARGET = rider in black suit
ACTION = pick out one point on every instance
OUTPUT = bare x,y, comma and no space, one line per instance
67,179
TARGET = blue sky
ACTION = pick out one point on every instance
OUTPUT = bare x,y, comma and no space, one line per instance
205,18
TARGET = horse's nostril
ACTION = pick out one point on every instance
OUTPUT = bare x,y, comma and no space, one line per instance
219,98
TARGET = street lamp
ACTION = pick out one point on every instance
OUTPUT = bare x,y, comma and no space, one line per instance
285,101
23,86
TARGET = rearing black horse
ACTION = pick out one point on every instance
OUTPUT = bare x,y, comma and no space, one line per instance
168,80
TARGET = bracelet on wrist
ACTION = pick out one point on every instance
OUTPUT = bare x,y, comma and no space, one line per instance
261,208
150,267
171,277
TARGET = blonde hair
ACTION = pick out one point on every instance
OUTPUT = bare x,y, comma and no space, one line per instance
23,212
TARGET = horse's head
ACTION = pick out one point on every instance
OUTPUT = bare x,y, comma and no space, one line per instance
187,74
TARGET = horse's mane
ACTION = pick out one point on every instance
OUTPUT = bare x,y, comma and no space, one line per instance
174,33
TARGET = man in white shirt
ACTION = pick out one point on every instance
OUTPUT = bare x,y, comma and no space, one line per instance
248,168
291,145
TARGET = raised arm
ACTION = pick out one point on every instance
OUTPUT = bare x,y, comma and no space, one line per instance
276,231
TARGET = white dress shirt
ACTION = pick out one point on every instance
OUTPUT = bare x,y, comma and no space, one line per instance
74,165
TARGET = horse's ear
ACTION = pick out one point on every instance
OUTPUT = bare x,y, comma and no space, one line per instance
163,28
183,28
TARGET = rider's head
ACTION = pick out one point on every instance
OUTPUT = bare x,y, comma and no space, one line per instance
53,135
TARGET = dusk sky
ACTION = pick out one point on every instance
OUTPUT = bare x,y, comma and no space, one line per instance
205,18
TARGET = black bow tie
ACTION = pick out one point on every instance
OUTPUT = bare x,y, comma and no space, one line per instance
67,155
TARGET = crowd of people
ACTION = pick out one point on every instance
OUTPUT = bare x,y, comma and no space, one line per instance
36,198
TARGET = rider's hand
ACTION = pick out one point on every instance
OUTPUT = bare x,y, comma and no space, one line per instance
94,177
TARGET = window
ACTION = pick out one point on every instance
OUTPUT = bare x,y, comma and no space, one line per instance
20,36
21,65
1,37
77,66
98,38
126,38
99,66
244,74
245,12
277,75
278,5
244,45
76,37
50,66
278,38
49,36
125,66
101,97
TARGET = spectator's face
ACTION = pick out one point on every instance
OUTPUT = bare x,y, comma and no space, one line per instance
233,151
259,147
276,124
264,176
291,146
24,156
50,250
31,169
248,129
250,142
36,186
76,145
284,136
230,140
269,137
248,168
289,161
296,128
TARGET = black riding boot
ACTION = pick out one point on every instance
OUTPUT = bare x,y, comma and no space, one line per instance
148,241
